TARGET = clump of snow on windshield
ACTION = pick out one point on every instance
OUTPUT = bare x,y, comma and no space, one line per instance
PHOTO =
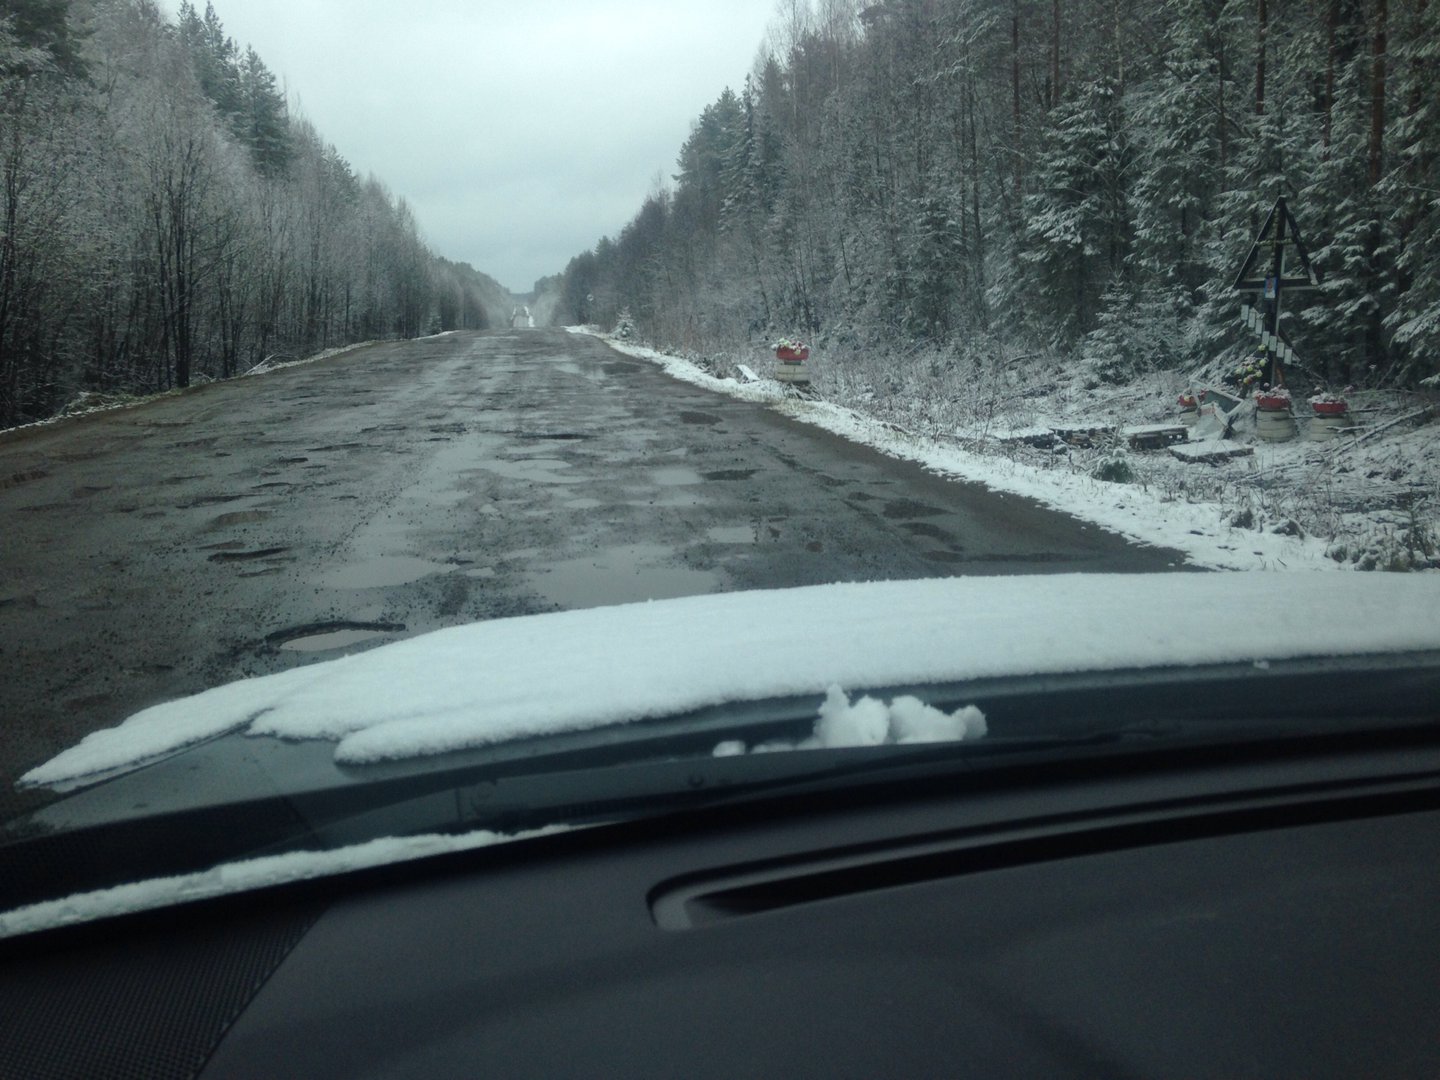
868,721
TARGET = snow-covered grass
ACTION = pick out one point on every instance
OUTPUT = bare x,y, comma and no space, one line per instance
89,402
275,363
1368,500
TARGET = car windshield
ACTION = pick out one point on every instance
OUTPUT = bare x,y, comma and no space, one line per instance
458,422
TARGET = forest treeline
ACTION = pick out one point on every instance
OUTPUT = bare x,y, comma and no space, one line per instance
166,219
1079,178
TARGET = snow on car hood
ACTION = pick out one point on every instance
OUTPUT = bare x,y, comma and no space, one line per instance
469,686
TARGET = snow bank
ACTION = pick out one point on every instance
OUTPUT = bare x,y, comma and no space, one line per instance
488,682
1166,512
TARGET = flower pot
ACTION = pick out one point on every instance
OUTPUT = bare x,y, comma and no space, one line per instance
1275,425
792,356
1329,408
1272,403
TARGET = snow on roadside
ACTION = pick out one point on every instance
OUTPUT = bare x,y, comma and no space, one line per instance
265,366
113,403
1151,516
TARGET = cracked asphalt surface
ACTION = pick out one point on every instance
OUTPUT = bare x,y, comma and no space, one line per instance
249,526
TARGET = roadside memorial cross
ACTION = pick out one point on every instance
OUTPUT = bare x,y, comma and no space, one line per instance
1277,261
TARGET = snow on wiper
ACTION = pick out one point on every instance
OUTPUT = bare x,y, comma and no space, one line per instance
869,721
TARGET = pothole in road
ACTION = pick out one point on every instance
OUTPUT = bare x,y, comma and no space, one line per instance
535,470
945,556
909,508
247,556
730,474
733,534
209,500
698,418
932,532
384,572
239,517
619,575
556,436
322,637
16,479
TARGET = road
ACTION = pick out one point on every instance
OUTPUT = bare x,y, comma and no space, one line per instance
245,527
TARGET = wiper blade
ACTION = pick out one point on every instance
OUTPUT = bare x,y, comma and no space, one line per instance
499,797
666,765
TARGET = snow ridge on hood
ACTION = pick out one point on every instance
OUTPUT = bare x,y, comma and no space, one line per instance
505,679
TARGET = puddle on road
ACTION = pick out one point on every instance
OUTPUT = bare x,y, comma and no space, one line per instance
909,508
323,637
675,476
619,575
383,572
733,534
230,555
208,500
239,517
336,639
535,470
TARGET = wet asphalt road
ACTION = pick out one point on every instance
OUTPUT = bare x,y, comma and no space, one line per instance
250,526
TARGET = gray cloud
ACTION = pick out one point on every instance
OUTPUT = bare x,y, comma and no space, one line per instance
519,133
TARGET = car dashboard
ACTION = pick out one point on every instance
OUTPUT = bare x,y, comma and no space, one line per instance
1196,912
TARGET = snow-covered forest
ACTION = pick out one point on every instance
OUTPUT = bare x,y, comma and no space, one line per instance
166,219
941,181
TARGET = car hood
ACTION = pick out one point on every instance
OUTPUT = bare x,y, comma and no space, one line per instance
502,728
545,675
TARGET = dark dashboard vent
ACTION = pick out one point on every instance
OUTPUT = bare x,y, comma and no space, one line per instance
701,900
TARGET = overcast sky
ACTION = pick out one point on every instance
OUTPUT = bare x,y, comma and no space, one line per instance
519,132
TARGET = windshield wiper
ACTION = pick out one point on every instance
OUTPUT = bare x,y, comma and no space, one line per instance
502,800
123,830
